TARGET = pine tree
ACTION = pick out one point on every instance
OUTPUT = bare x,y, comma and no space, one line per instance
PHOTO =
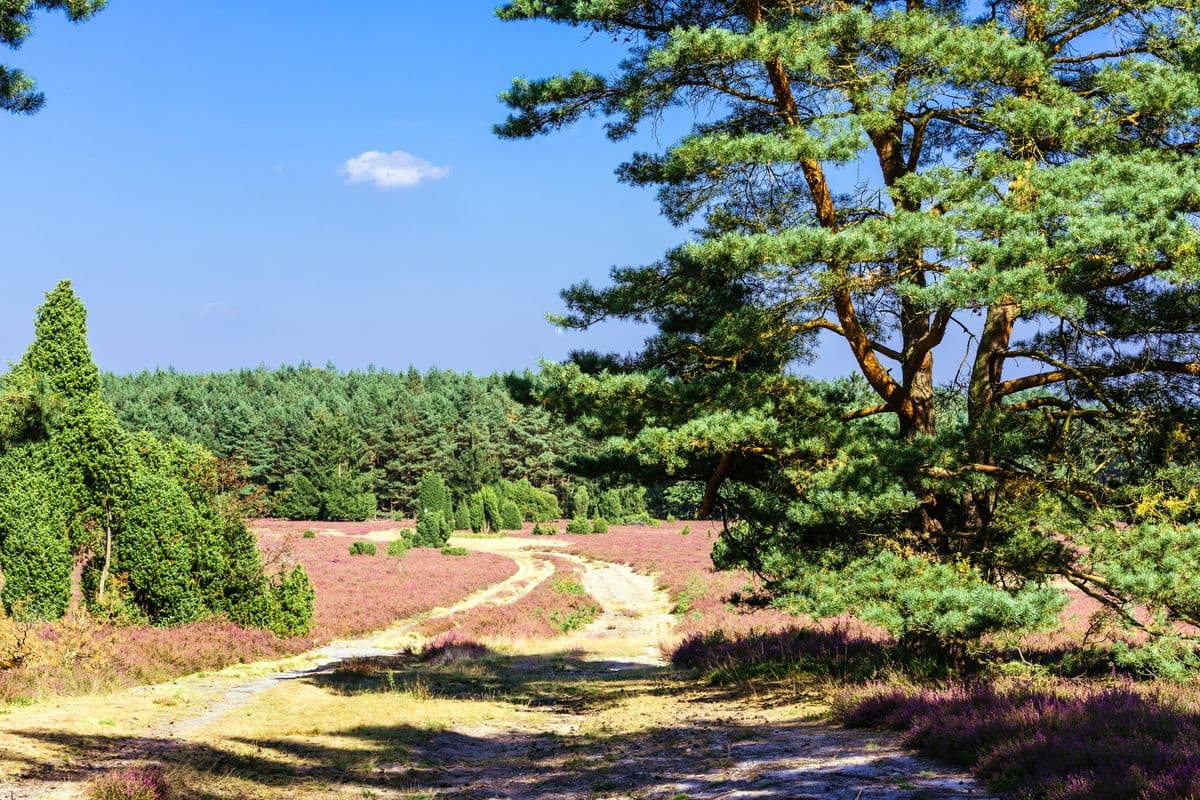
18,93
1030,176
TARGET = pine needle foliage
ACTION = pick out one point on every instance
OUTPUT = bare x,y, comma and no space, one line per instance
1013,189
18,92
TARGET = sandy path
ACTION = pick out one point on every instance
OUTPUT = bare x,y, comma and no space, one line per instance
212,697
655,735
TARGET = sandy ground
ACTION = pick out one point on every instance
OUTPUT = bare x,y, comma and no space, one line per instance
595,714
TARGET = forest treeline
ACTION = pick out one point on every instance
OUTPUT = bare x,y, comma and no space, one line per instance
312,442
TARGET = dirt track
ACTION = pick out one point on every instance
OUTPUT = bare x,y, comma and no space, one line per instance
593,715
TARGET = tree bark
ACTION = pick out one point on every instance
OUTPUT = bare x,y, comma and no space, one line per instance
107,556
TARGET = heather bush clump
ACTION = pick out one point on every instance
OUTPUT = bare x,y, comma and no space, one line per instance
728,658
579,525
455,551
135,783
1062,742
398,547
309,534
600,525
363,549
451,647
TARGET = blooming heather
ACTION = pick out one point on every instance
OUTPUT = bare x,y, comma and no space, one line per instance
354,596
1060,741
135,783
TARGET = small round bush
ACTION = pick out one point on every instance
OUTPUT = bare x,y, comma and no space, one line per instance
600,525
685,530
579,525
362,549
455,551
309,534
510,514
398,547
135,783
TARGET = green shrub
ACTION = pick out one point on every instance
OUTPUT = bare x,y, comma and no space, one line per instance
433,496
398,547
608,504
433,529
491,509
363,549
36,553
581,502
292,599
579,525
543,530
535,504
309,534
163,538
577,616
685,530
475,509
455,551
462,516
600,525
510,516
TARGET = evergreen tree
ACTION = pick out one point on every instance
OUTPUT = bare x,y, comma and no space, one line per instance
581,502
1030,176
491,509
462,516
477,514
18,93
146,516
510,516
397,427
332,475
35,553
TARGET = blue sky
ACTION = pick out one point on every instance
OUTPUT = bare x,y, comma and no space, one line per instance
187,175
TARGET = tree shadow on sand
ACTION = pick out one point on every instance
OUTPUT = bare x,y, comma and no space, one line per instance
700,755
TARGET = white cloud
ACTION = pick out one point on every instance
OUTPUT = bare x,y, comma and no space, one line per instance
394,170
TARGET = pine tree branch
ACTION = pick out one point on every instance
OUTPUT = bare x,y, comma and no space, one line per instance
1189,368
